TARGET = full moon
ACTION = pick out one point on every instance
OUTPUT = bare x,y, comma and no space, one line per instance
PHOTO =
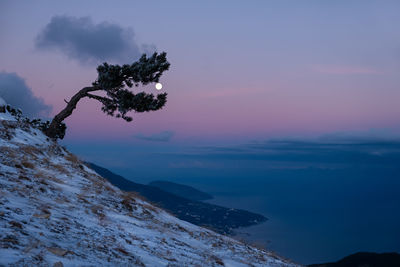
158,86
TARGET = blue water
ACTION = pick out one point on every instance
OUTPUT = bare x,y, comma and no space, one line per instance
318,216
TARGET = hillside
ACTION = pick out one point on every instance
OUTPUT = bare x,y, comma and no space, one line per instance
365,259
182,190
217,218
55,211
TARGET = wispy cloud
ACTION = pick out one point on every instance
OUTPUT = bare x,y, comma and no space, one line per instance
325,152
82,40
164,136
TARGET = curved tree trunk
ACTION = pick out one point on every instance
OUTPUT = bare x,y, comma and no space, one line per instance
67,111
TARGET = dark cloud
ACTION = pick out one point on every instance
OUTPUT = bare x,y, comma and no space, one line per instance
15,92
164,136
82,40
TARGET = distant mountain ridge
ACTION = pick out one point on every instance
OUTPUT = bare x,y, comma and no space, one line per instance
217,218
182,190
365,259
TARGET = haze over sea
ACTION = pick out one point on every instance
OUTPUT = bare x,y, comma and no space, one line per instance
324,198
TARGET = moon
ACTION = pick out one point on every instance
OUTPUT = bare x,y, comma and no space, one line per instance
158,86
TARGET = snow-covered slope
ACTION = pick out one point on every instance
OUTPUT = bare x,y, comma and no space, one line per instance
54,211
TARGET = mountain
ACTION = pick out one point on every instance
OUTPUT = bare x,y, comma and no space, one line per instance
365,259
55,211
181,190
217,218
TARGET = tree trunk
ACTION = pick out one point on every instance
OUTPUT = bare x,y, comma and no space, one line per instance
67,111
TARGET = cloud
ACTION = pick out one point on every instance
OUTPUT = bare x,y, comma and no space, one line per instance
15,92
331,153
80,39
164,136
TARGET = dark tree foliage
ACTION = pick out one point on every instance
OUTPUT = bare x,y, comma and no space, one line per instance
36,123
114,81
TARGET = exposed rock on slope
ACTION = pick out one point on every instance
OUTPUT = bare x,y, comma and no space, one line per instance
54,211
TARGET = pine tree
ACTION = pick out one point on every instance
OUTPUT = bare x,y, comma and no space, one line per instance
115,81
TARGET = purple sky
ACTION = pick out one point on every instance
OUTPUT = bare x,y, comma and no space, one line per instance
240,70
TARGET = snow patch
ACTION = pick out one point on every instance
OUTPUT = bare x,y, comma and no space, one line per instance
6,116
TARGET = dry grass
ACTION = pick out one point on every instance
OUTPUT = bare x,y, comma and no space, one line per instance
134,195
40,174
122,250
151,208
23,177
99,184
255,244
43,182
60,168
9,124
99,211
43,176
82,197
45,161
73,159
62,200
27,164
11,153
127,204
31,150
45,214
128,199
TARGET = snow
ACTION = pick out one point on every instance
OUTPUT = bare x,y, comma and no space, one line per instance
55,209
6,117
35,137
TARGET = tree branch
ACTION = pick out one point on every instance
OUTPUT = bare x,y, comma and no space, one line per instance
97,97
67,111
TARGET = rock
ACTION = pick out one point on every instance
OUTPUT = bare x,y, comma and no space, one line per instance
15,224
2,105
42,216
58,251
58,264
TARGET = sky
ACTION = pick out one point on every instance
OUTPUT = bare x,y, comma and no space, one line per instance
260,94
239,70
